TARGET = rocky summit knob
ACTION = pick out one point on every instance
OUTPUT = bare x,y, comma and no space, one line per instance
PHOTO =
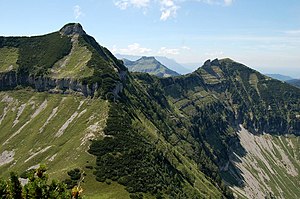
72,29
207,63
215,62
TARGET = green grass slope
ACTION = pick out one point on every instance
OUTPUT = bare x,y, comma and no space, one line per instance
74,65
270,167
8,59
56,130
52,129
41,128
176,137
223,94
156,120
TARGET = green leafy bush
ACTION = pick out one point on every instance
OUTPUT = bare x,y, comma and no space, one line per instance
36,187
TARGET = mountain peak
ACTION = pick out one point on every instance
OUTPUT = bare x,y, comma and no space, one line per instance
215,62
72,29
149,65
209,63
147,58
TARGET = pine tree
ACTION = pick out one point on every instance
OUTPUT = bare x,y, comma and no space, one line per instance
15,186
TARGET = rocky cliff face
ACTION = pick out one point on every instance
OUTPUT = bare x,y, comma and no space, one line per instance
12,80
72,29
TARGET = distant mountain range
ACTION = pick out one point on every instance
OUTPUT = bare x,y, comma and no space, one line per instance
149,65
169,63
294,82
288,79
280,77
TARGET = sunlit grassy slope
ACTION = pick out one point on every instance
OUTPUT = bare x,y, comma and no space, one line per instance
54,130
8,58
204,188
74,65
159,137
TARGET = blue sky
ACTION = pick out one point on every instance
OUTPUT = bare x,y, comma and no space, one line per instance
263,34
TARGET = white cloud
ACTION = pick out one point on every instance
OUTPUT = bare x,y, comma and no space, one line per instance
292,32
215,2
138,50
168,9
214,54
114,49
132,49
228,2
186,48
168,51
77,12
140,3
124,4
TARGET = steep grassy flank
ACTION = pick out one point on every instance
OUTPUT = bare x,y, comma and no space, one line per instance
169,137
107,68
213,101
74,65
52,120
8,59
38,54
193,121
183,164
271,166
51,129
222,94
147,166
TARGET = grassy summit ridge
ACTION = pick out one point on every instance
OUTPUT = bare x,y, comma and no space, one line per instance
66,54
